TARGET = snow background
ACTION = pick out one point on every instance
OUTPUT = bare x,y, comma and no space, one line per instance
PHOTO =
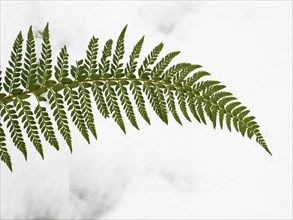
170,172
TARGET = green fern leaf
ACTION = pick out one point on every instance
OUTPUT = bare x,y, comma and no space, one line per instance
225,100
158,89
86,107
203,86
112,101
185,70
46,125
191,104
139,100
4,155
207,108
110,81
199,107
91,58
126,103
45,66
116,66
27,118
29,76
99,97
171,104
132,64
77,71
74,107
190,81
104,64
214,115
221,117
162,65
172,71
154,99
57,106
12,77
228,122
219,95
144,70
181,96
9,114
61,70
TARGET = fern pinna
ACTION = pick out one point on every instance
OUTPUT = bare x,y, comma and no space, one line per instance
179,87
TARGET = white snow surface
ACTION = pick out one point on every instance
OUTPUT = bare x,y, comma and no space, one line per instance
164,172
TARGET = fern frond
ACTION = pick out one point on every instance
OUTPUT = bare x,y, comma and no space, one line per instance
149,90
203,86
112,101
46,125
91,58
171,104
162,65
172,71
57,106
86,107
139,100
9,114
126,103
77,72
112,84
12,77
116,66
158,89
191,100
144,70
190,81
199,108
181,96
72,98
132,64
29,76
104,64
61,70
27,118
4,155
156,98
185,70
45,66
99,96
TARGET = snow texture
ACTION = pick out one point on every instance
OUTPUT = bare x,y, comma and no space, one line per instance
170,172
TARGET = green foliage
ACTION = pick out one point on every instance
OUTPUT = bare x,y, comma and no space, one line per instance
57,106
97,88
61,70
4,155
112,101
71,96
91,58
29,76
9,115
12,76
179,89
116,66
45,66
86,107
26,115
46,125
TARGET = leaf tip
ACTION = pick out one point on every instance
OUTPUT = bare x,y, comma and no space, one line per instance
267,150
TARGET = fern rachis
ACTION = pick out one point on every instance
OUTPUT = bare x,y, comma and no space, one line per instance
111,83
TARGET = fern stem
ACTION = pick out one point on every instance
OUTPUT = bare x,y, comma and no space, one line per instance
47,88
